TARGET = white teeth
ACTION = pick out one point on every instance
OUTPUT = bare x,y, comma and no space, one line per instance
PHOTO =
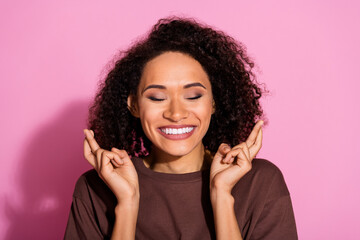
174,131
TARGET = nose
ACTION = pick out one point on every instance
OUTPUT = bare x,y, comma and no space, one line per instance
175,111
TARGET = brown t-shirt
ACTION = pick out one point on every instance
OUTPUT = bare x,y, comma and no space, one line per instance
177,206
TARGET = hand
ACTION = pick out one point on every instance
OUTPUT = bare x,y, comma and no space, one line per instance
230,165
114,167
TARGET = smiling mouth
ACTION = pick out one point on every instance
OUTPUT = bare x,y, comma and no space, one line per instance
176,132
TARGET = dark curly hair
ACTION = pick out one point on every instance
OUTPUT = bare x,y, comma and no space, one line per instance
235,90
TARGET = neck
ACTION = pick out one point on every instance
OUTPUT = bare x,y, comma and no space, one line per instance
160,161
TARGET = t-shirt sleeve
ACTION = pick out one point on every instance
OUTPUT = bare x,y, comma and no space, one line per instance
82,223
276,220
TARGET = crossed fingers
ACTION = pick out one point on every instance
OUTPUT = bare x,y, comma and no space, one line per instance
98,157
245,150
254,141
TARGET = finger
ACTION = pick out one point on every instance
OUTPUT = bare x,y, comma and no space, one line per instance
239,169
122,154
117,161
98,161
92,142
245,148
106,158
243,162
222,151
230,156
254,133
257,145
89,156
241,157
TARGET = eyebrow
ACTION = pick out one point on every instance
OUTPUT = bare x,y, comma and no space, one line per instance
153,86
197,84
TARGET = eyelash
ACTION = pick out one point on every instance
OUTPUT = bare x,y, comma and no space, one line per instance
161,99
156,99
196,97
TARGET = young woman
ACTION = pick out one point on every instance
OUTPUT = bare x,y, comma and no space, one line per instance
173,142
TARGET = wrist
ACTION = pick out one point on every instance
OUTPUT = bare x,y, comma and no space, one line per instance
133,195
128,204
126,210
221,196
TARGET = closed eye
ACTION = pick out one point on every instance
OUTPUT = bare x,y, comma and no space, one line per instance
156,99
194,98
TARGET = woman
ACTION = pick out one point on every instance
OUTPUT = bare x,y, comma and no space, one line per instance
182,106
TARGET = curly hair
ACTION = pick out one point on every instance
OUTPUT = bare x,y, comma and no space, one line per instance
235,91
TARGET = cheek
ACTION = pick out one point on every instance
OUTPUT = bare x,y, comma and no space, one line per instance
204,112
148,114
147,121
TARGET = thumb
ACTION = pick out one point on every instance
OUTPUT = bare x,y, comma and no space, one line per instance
223,149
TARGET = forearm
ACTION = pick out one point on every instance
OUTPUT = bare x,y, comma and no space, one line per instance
125,220
226,225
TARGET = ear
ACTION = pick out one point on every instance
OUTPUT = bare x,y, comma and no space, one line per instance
213,107
133,106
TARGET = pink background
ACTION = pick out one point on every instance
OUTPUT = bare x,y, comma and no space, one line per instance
53,53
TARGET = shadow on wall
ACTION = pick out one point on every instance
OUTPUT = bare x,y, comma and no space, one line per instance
50,166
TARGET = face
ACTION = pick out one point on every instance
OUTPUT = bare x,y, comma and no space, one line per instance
174,103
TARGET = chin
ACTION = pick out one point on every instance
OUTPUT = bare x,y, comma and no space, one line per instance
176,150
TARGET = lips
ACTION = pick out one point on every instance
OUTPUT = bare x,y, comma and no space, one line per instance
177,132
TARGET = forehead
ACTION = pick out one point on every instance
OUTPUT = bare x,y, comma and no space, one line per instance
173,68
